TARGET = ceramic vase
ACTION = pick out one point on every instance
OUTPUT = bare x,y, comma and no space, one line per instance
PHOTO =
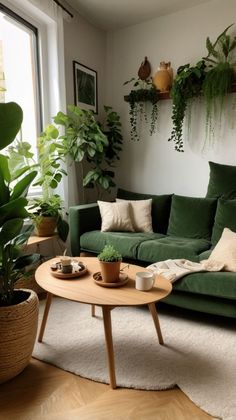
163,77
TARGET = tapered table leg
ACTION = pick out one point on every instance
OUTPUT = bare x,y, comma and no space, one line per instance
153,311
106,311
93,310
45,316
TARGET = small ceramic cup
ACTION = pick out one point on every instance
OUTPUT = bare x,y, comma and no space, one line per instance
66,266
144,280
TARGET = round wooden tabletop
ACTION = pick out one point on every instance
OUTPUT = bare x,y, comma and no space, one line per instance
84,289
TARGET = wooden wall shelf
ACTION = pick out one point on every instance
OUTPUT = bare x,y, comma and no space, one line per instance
166,95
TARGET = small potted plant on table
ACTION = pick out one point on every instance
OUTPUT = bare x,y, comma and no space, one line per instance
110,260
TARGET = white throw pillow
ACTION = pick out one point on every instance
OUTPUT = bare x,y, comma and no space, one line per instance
141,214
225,251
115,216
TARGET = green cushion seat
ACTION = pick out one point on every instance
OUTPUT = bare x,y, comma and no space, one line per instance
205,254
222,181
209,283
225,217
192,217
127,243
203,303
171,248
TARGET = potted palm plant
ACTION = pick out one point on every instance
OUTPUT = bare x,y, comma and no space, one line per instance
110,260
18,308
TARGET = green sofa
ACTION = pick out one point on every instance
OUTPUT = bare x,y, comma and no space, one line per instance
183,227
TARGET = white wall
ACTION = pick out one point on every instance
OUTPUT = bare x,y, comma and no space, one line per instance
85,44
152,165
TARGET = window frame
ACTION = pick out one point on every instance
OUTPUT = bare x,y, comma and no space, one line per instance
38,67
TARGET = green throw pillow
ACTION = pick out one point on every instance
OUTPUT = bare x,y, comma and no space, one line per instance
192,217
222,182
225,217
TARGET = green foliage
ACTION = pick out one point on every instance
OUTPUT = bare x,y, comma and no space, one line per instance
109,254
222,49
52,207
187,85
51,154
87,140
11,117
215,87
221,55
13,190
146,92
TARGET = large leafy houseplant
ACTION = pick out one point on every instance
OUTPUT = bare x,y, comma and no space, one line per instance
51,158
13,203
18,308
85,140
219,62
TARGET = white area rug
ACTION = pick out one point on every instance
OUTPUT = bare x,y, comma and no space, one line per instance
198,356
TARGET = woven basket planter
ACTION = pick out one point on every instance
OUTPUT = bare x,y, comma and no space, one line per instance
18,328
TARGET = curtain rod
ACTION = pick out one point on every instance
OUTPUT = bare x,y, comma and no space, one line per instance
63,7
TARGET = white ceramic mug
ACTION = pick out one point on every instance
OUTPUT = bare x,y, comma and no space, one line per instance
144,280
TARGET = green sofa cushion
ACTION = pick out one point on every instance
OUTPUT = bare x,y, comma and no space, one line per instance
225,217
192,217
203,303
205,255
222,181
171,248
160,207
126,243
209,283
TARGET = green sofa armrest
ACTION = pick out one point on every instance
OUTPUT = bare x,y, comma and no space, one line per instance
82,218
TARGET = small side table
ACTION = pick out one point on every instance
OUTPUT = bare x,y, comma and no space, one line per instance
45,245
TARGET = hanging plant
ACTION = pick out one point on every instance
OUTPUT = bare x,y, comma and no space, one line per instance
187,85
137,99
218,78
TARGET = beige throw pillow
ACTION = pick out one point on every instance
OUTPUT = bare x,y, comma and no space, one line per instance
141,214
225,251
115,216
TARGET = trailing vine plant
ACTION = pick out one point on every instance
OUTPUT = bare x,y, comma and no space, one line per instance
187,85
219,61
137,98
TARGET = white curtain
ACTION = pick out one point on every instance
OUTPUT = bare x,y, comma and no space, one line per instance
56,63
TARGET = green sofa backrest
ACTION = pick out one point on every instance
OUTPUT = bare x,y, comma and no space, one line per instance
160,207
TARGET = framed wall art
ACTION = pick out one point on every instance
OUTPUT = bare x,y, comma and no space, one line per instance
85,87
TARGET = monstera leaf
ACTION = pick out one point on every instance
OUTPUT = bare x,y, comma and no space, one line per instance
11,117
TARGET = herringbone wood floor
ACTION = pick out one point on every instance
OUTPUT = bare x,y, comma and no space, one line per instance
46,392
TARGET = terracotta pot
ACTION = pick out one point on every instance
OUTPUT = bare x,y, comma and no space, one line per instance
163,77
110,271
45,226
18,328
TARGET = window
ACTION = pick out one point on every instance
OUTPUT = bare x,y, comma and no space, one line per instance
19,81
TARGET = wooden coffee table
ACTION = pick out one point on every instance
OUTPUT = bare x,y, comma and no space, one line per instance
85,290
